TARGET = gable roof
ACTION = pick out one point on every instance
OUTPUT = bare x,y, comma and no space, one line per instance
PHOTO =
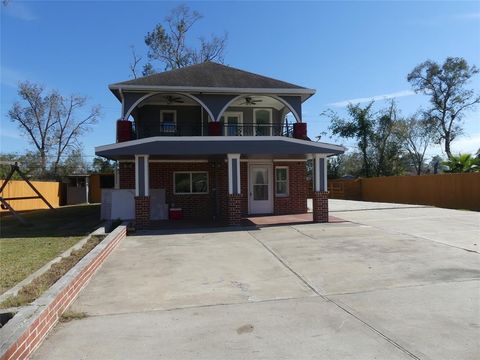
209,75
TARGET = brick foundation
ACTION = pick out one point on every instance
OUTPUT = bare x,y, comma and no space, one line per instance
234,209
320,206
142,211
22,337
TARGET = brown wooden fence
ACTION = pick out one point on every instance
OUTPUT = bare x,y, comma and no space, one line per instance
16,188
456,191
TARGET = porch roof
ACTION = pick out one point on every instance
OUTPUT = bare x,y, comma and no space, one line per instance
216,145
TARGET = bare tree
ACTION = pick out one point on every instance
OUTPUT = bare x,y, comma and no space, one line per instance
416,134
69,127
168,44
51,122
135,61
445,84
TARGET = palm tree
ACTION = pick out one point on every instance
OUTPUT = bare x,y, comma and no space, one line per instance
462,163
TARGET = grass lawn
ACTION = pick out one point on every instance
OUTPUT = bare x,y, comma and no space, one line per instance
24,249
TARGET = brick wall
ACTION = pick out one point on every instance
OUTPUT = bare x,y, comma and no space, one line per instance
296,201
126,172
142,211
320,206
193,205
234,209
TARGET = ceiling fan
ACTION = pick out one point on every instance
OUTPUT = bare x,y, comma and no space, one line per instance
250,101
172,99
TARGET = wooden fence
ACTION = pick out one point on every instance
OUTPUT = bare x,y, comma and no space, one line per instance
15,188
456,191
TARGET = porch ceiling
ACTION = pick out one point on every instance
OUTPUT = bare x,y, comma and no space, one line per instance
253,147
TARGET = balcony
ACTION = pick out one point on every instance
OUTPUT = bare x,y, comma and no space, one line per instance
244,129
126,132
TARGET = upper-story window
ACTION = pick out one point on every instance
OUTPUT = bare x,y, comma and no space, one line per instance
263,122
232,122
168,121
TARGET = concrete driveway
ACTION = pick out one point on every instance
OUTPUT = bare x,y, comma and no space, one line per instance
395,282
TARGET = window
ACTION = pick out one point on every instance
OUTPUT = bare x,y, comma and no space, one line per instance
281,181
263,122
190,182
168,121
232,122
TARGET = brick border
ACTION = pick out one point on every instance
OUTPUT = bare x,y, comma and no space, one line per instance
24,333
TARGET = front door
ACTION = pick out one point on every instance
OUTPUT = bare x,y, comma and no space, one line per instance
260,199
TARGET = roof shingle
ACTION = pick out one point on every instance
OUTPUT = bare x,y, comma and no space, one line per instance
210,75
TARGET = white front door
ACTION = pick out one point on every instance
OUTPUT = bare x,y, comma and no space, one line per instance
260,192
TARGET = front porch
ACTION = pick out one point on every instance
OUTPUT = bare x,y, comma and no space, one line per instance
224,182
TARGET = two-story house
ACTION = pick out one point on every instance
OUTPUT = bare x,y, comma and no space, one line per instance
213,141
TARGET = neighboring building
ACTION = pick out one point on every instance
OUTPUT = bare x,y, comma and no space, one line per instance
213,140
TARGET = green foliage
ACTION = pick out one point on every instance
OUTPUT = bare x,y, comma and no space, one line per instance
445,84
380,149
462,163
102,166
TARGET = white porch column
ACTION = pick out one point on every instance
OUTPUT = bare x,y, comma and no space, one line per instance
141,175
319,172
234,187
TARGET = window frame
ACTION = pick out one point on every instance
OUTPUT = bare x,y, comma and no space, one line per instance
226,114
270,123
191,183
162,112
286,181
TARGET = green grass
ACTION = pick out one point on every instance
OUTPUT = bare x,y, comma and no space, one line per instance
25,249
40,284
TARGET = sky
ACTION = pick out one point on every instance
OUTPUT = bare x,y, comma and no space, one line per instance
347,51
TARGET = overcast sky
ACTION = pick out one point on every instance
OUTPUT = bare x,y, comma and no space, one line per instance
347,51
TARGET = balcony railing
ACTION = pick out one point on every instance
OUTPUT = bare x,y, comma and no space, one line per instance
243,129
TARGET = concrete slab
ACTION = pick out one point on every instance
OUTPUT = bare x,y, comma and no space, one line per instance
399,281
458,228
345,258
441,320
308,328
173,271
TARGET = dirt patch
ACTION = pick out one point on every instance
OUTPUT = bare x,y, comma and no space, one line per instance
248,328
72,315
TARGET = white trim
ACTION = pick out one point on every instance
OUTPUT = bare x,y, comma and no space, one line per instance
218,138
226,114
273,160
162,129
168,111
269,124
137,187
270,186
116,177
156,88
160,92
287,180
191,184
123,103
230,158
147,175
325,174
273,96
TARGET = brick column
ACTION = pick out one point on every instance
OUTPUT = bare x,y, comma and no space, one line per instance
320,206
142,211
234,211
